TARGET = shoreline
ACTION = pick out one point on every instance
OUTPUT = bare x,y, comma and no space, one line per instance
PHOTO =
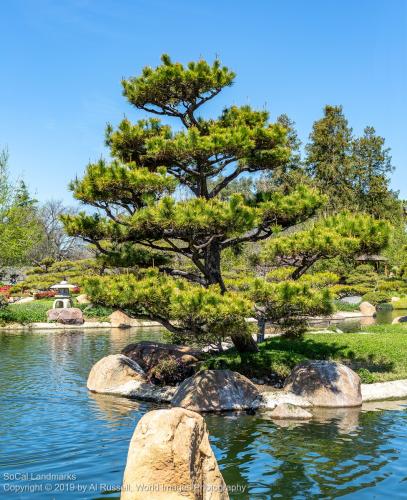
87,325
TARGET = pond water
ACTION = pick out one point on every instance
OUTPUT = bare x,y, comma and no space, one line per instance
50,424
383,317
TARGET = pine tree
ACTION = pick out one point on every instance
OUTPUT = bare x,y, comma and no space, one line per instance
328,158
137,204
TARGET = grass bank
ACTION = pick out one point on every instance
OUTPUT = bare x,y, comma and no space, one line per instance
36,312
377,355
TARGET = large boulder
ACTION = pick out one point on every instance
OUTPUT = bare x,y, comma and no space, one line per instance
367,309
120,375
216,390
289,411
170,458
164,363
83,299
118,319
325,383
115,374
66,315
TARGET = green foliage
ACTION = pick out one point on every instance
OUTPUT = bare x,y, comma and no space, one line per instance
342,235
170,371
345,306
31,312
363,275
348,290
136,202
353,172
19,223
285,304
3,302
191,313
42,277
379,356
400,304
376,298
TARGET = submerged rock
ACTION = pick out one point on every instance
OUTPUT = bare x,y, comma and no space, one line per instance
290,411
270,399
325,383
170,458
118,319
216,390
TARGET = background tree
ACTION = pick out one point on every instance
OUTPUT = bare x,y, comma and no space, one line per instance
372,167
55,243
19,227
328,158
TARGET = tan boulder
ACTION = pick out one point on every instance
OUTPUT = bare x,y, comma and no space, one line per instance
170,458
289,411
367,309
66,315
325,383
118,319
83,299
70,316
115,374
52,314
395,299
216,390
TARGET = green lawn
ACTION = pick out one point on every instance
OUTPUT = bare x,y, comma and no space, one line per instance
378,355
32,312
36,312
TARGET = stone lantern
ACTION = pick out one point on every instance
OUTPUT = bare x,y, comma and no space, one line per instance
63,296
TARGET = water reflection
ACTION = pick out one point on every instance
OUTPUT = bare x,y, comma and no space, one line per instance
336,453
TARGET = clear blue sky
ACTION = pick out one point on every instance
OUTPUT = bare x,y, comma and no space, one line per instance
62,61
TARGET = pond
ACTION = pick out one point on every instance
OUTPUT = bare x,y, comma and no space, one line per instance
383,317
51,425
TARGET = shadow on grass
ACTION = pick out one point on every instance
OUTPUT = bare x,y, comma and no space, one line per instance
278,356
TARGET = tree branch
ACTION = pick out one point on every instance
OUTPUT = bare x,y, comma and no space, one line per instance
184,274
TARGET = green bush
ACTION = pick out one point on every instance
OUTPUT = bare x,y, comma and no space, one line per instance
170,371
400,304
376,298
366,376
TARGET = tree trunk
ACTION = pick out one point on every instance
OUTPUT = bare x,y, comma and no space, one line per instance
244,342
213,272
